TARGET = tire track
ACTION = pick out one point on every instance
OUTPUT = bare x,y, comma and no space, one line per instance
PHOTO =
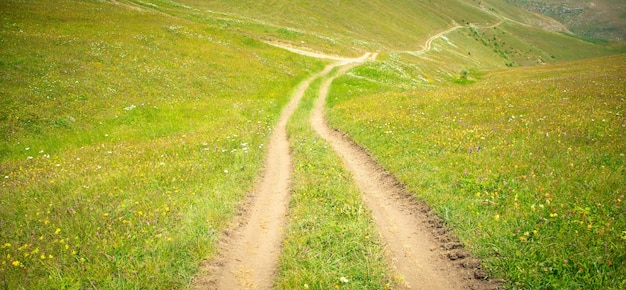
404,225
248,255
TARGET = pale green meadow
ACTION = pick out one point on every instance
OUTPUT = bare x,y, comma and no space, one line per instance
127,141
526,165
131,132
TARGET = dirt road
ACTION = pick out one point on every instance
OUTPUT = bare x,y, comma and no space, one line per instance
429,41
428,44
248,255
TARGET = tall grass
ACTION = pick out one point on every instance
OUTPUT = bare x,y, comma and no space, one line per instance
127,140
527,165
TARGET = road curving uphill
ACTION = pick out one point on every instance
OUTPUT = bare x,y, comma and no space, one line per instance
419,257
248,254
415,252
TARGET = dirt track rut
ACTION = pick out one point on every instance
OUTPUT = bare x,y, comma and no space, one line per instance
248,254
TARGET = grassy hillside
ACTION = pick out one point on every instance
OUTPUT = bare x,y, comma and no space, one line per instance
355,25
526,164
603,19
130,131
463,55
127,141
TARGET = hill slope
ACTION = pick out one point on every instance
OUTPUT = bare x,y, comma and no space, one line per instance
526,163
351,28
130,131
603,19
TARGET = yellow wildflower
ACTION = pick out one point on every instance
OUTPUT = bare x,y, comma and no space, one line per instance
16,263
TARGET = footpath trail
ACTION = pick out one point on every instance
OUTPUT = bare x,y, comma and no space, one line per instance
428,44
248,255
430,40
418,248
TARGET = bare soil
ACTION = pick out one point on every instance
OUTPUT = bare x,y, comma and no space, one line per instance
248,252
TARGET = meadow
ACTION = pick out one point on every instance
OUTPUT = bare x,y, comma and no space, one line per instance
131,131
127,141
527,165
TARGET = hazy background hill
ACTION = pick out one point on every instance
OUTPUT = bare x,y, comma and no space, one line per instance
398,24
601,19
491,33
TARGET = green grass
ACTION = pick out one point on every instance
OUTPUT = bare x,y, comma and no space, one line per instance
527,165
330,233
601,21
471,50
351,27
127,141
128,138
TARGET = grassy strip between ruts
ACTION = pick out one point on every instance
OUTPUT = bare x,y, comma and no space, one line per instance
527,165
330,241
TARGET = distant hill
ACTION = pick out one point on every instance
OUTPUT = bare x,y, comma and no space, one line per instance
598,19
494,32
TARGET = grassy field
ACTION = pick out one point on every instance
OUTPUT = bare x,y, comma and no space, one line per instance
127,140
331,241
130,131
358,26
527,165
